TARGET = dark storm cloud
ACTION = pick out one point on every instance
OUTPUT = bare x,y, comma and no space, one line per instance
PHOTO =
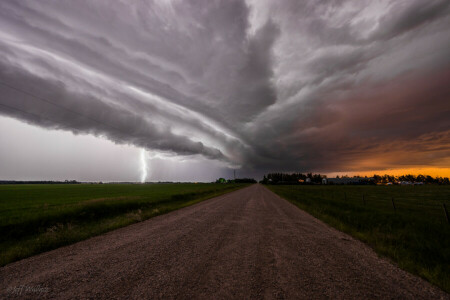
86,114
291,85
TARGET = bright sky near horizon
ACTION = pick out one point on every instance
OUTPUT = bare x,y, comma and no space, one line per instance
191,90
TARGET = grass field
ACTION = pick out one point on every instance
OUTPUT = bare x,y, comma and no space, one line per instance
38,218
415,235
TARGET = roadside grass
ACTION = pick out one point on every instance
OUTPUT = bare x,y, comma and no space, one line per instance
39,218
416,235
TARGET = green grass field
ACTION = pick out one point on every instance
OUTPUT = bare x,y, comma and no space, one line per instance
38,218
416,235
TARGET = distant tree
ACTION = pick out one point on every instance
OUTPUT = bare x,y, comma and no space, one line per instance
377,178
265,180
420,178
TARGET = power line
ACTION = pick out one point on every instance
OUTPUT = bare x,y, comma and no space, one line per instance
52,103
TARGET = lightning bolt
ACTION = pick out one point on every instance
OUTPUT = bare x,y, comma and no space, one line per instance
143,165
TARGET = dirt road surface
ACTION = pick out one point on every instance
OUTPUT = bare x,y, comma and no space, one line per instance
248,244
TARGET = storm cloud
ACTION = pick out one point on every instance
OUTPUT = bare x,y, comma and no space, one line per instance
259,85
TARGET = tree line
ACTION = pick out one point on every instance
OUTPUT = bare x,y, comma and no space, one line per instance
300,178
292,178
411,178
237,180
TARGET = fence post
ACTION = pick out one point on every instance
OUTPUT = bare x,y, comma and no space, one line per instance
393,204
446,213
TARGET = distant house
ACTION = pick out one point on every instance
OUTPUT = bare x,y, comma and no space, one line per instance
308,180
324,181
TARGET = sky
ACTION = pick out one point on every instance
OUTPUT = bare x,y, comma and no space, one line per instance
180,90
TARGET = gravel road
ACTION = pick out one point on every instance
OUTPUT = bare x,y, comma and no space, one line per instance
248,244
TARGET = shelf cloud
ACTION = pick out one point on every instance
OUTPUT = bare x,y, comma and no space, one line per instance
258,85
